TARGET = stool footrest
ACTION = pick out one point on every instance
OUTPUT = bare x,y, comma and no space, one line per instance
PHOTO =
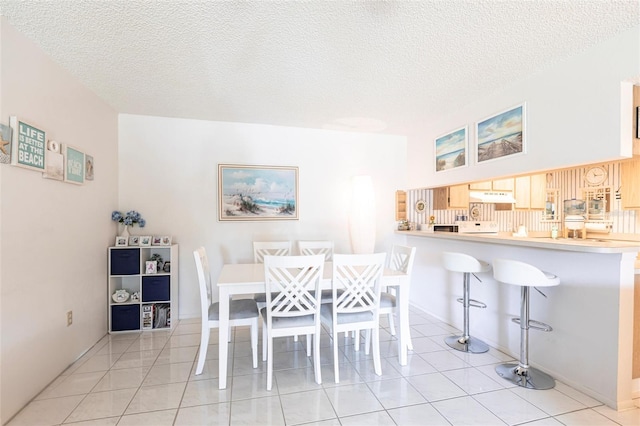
536,325
472,303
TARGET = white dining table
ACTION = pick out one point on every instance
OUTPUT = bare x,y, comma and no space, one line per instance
248,278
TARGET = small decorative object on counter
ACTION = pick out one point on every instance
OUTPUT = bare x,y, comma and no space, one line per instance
432,220
554,232
403,225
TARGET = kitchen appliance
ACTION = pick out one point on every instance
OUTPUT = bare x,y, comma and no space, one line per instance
498,197
574,226
477,227
445,228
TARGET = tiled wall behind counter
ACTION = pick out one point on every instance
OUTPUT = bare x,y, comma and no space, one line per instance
569,183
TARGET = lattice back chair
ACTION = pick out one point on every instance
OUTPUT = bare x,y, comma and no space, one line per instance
357,307
241,312
292,287
401,260
268,248
318,247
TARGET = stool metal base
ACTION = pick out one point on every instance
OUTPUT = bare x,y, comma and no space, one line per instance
472,344
530,378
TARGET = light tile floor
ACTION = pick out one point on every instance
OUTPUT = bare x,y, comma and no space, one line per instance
148,379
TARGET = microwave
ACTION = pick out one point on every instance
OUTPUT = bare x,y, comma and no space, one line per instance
445,228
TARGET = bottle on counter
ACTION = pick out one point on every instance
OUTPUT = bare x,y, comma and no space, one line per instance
554,232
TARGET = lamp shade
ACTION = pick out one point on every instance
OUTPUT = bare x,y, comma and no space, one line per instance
362,218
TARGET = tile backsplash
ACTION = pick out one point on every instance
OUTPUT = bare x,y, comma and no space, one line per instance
569,183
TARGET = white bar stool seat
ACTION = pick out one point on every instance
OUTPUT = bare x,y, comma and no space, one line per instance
460,262
526,276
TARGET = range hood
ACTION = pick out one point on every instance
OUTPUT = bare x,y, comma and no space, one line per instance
491,197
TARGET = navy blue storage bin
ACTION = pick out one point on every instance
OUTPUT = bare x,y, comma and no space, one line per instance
125,261
125,317
155,288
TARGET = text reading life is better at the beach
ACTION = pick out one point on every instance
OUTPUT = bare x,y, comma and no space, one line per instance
30,146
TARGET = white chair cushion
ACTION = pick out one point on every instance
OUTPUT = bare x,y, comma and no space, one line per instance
387,300
287,322
238,309
326,312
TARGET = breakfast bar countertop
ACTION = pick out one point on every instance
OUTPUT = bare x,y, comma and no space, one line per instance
588,245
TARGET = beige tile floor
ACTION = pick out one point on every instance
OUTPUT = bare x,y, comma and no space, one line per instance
148,379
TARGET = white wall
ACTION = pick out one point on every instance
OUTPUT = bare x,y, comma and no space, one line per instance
169,172
573,117
53,235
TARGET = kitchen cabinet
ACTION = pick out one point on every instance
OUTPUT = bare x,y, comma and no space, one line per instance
530,191
401,205
451,197
630,190
493,185
481,186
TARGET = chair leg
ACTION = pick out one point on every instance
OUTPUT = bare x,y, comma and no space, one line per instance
336,366
269,362
204,344
308,345
264,342
392,326
376,351
254,342
295,338
356,340
316,356
367,342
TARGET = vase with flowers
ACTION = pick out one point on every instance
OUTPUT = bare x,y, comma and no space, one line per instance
129,219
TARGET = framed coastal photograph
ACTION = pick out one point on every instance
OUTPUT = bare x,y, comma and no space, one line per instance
501,135
88,167
250,193
145,241
451,149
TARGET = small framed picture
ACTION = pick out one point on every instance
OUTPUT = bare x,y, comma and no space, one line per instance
121,241
156,240
145,241
166,241
167,266
151,267
134,240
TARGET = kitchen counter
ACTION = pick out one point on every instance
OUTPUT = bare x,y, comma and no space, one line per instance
588,245
591,311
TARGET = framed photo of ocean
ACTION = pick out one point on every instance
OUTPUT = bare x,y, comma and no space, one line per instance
255,193
451,149
28,145
501,135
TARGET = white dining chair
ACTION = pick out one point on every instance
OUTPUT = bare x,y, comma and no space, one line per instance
270,248
324,248
295,309
243,312
401,260
357,307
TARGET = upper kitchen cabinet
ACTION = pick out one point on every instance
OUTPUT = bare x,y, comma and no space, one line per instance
451,197
495,185
630,188
531,191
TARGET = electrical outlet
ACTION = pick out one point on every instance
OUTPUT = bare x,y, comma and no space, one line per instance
69,318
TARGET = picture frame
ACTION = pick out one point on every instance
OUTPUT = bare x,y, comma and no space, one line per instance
257,193
54,160
151,267
134,240
451,149
88,166
28,144
501,135
121,241
73,164
145,241
167,267
5,143
156,240
165,241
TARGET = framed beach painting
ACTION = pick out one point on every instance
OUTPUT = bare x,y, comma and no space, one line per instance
501,135
248,193
451,150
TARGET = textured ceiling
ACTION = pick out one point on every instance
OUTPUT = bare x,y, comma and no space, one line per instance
390,66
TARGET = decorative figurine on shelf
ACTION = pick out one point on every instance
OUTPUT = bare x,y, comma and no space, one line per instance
432,220
158,259
120,296
135,296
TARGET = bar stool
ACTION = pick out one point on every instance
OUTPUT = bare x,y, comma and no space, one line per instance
460,262
526,276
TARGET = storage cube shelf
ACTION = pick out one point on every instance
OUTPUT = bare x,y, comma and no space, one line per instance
158,300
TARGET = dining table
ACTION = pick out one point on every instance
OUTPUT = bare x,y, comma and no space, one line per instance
248,278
